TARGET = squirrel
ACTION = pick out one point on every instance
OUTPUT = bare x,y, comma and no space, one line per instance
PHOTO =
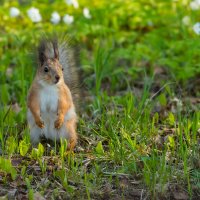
51,108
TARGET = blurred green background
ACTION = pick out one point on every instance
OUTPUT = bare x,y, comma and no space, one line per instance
138,35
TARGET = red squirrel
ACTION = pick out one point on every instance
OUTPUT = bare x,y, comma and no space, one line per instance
51,110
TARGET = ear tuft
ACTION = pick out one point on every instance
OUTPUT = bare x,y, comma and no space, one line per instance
55,49
42,54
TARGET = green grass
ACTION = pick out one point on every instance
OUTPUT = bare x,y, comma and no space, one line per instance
140,118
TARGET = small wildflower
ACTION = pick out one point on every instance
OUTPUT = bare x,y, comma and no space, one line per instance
72,2
86,13
14,12
196,28
34,14
68,19
195,5
150,23
186,20
197,1
55,18
9,71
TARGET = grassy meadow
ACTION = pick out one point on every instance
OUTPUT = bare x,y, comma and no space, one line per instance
139,118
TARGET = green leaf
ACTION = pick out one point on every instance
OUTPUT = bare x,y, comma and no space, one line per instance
23,147
11,145
162,100
34,153
171,119
99,148
23,171
155,118
40,150
171,141
6,166
5,96
63,147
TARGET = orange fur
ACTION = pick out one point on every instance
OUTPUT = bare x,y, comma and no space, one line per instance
34,105
71,125
65,102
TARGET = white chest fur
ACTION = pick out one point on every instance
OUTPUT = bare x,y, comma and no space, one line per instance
49,99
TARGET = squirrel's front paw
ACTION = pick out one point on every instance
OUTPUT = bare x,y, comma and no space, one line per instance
40,123
58,123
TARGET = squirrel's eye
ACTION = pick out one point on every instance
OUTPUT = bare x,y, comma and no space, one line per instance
46,69
62,68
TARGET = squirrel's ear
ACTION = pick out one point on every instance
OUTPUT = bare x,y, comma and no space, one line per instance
42,55
55,49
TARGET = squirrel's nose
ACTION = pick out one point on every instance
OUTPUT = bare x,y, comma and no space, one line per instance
57,77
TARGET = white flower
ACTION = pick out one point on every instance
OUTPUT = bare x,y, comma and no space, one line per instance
195,5
150,23
14,12
196,28
55,18
34,14
86,13
186,20
68,19
72,2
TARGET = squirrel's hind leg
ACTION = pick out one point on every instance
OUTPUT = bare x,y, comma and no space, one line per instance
70,133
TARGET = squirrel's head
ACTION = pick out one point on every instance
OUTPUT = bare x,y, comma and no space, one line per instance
49,70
